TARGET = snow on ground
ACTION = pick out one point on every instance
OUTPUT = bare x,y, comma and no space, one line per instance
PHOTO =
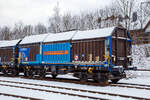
141,78
45,95
137,77
10,98
36,94
141,56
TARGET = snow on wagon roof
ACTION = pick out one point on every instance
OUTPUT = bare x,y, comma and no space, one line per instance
60,36
97,33
72,35
9,43
34,39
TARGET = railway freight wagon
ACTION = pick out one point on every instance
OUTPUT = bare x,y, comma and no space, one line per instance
8,55
29,54
100,54
39,57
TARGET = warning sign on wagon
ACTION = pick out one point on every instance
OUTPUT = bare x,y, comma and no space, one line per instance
76,57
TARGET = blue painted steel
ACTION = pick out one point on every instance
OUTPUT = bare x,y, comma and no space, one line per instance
93,66
24,52
110,52
130,39
128,34
56,53
38,58
31,62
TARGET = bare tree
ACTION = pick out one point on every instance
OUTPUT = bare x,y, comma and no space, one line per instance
55,21
17,31
76,22
5,33
144,12
67,22
40,29
126,9
27,30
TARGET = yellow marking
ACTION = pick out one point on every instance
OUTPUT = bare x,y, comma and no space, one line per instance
90,70
63,69
4,66
107,58
106,83
28,67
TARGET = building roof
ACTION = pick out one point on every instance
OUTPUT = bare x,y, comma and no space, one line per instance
147,27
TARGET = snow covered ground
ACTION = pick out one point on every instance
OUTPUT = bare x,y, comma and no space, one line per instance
141,56
133,77
137,77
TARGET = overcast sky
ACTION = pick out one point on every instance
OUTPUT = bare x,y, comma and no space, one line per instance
35,11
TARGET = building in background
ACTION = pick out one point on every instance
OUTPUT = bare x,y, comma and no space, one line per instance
141,36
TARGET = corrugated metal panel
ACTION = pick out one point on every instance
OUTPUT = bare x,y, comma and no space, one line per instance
120,47
56,53
6,54
88,50
34,50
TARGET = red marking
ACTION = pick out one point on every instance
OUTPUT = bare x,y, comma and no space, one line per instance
55,52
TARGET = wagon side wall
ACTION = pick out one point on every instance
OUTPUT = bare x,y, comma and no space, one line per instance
120,46
34,50
56,52
89,50
6,54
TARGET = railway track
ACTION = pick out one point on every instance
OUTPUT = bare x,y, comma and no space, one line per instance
143,70
135,84
17,96
127,86
72,89
65,80
51,91
76,81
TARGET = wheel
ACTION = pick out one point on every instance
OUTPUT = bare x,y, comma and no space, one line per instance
28,73
42,74
101,78
54,75
25,73
5,72
83,77
115,80
15,72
